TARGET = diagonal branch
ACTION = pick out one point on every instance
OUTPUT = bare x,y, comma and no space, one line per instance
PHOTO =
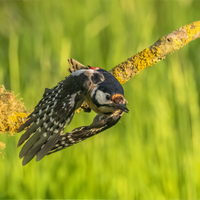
157,52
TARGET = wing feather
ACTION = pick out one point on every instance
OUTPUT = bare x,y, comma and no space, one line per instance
99,124
45,124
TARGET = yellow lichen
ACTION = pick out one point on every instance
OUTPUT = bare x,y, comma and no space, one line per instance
119,78
17,119
192,30
145,58
12,111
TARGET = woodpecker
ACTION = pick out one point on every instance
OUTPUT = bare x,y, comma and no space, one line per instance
91,86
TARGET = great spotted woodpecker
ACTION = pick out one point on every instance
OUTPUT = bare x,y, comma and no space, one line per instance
99,89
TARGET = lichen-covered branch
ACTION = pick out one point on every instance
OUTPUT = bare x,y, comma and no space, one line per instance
157,52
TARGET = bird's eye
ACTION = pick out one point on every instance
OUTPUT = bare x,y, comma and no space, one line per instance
108,97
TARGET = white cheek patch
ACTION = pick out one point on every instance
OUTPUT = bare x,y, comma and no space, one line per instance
101,97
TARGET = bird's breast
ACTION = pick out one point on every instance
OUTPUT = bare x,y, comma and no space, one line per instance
101,110
92,106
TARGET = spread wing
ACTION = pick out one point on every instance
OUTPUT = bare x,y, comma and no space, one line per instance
45,124
99,124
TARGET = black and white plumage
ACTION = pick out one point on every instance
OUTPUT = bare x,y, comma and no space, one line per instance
44,126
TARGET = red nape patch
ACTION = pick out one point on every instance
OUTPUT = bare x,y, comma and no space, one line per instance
94,68
118,98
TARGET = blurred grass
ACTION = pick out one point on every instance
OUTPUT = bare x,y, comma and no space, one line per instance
153,152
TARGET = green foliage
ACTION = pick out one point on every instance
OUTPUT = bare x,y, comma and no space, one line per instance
153,152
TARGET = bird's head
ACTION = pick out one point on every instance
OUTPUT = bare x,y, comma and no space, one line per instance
108,98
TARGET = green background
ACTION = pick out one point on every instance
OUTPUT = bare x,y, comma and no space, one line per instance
154,151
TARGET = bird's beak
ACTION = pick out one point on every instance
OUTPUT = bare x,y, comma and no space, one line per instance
121,107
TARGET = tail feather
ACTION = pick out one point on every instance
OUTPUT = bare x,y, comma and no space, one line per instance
42,140
48,146
26,135
75,65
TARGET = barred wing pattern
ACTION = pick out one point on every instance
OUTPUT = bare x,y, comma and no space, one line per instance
49,117
99,124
